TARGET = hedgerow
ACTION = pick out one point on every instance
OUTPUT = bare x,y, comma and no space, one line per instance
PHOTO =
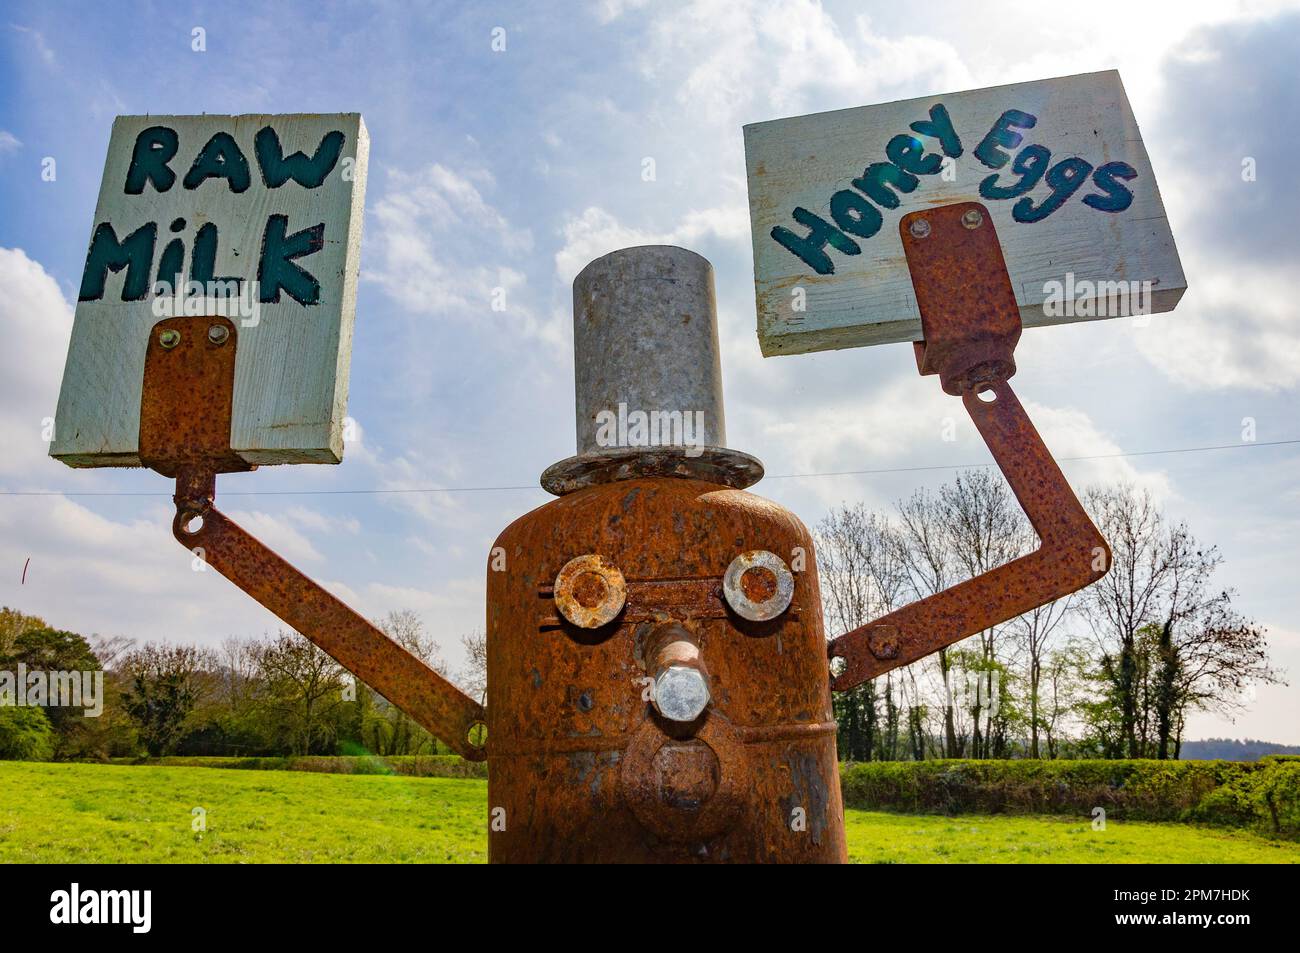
1262,796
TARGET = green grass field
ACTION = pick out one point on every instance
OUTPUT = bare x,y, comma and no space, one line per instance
142,814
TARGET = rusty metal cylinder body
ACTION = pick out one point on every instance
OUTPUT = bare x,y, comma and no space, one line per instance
581,765
658,682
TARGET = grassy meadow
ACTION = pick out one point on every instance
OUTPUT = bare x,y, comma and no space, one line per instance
143,814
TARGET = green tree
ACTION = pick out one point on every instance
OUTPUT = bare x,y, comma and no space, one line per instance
25,734
303,693
43,649
164,684
13,624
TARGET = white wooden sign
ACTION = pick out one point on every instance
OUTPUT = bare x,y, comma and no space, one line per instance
257,218
1059,163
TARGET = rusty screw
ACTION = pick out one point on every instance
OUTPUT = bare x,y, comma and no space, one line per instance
973,218
919,228
758,586
168,338
218,334
590,591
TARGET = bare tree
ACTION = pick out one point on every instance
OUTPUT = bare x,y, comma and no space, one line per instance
862,577
1036,630
406,628
984,529
1167,639
1060,690
968,527
928,566
473,677
110,649
396,732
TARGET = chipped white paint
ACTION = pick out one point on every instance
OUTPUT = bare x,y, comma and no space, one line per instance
868,299
291,375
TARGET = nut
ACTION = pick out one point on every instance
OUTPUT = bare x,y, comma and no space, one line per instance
590,591
973,218
218,333
758,586
168,338
681,692
919,228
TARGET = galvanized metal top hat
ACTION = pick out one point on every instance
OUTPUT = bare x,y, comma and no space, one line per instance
647,376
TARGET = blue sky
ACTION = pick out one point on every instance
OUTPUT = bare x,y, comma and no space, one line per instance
514,169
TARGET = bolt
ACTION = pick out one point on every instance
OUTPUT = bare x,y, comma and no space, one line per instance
218,334
919,228
681,693
973,218
681,686
882,640
169,338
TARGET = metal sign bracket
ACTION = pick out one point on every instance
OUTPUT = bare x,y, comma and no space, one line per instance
185,412
971,325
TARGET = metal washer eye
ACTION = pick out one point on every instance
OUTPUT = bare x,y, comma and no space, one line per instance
753,593
590,591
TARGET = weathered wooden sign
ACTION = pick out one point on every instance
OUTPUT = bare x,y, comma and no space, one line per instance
1059,164
254,218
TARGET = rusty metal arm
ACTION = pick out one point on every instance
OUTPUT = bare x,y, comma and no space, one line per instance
438,706
185,415
971,325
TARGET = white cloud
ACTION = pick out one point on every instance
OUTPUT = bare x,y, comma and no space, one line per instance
596,232
1070,432
37,39
277,533
37,321
1234,328
444,250
610,10
741,60
8,142
94,574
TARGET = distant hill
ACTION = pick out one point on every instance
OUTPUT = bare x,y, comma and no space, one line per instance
1232,749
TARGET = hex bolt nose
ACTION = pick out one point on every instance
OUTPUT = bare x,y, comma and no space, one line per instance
168,338
919,228
218,333
681,682
973,218
681,693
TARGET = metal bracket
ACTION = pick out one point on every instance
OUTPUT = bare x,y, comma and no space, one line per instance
971,324
185,413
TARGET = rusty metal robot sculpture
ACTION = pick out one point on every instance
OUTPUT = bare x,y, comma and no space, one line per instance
658,675
658,687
